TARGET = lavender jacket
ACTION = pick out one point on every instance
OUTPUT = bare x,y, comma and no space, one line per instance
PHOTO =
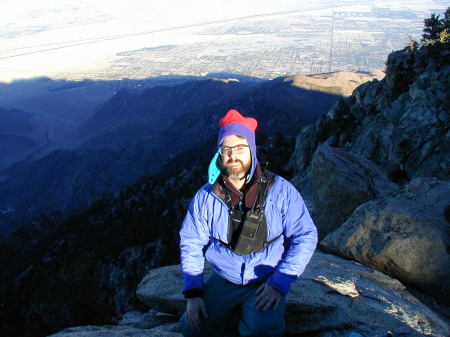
279,264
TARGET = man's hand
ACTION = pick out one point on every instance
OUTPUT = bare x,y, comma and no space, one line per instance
267,297
195,307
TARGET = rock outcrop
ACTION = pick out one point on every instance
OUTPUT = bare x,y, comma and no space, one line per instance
341,182
401,123
115,331
406,235
133,324
332,298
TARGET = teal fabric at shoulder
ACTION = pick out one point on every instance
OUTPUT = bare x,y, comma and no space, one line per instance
213,169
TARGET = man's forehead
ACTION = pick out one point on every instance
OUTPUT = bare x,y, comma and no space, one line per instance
232,140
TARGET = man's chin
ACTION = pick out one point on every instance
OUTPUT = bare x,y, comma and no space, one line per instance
237,174
236,177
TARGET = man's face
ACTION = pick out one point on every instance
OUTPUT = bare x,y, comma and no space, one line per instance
235,165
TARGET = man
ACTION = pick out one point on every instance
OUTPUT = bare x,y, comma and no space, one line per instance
254,228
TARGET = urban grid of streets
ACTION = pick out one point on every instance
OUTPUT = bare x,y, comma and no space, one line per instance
345,37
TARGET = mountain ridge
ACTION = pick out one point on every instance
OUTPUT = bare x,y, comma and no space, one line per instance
98,171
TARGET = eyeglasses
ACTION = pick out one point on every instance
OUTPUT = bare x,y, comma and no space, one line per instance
238,149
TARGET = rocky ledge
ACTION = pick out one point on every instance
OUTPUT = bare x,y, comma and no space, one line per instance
333,297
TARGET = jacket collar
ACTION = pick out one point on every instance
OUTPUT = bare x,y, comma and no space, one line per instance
221,187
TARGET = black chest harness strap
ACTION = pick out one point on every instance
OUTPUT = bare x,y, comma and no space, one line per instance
247,231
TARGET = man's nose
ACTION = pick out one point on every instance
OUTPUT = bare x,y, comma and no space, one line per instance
232,154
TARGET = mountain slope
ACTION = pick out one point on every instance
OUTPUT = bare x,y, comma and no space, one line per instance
132,114
90,264
69,181
21,133
57,108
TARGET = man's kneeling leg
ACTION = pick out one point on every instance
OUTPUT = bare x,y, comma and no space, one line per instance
221,298
262,323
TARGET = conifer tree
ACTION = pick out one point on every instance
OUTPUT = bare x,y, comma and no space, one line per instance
446,20
433,26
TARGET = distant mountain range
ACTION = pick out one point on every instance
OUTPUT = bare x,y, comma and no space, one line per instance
21,134
55,109
136,132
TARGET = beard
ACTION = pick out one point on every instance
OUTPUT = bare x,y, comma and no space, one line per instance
237,172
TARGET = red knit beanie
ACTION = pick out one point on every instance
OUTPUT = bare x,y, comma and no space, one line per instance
233,116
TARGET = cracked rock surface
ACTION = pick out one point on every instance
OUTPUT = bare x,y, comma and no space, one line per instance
115,331
333,297
341,181
405,234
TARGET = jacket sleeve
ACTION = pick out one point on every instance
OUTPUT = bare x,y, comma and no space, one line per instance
301,239
194,236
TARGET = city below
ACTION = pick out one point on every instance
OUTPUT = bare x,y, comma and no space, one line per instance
313,38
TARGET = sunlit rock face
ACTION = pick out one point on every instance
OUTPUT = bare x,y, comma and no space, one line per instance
333,296
405,234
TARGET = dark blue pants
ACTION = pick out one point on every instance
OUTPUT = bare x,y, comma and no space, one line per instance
221,298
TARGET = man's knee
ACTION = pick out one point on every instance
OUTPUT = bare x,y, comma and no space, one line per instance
261,328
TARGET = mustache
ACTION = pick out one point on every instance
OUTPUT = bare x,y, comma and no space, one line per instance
232,161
